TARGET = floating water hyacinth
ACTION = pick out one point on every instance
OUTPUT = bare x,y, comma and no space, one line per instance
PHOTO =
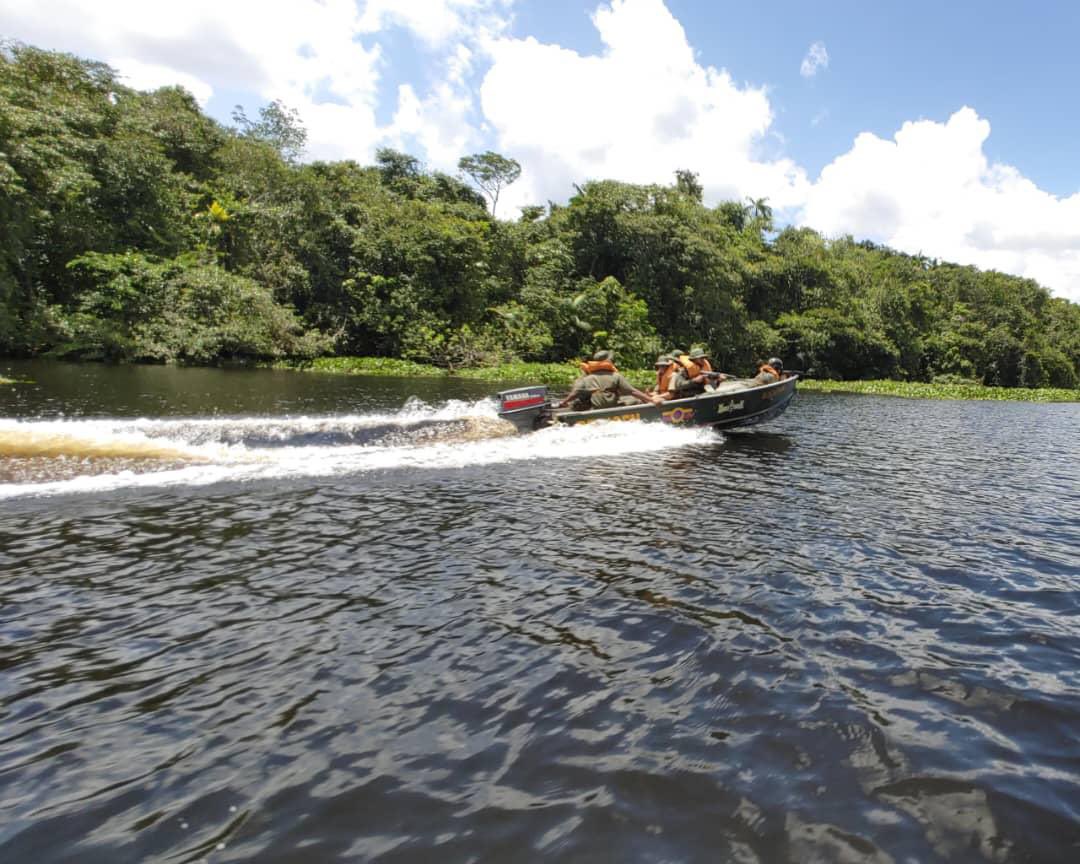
922,390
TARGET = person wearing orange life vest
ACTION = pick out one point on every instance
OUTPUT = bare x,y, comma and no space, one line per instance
675,378
665,369
602,386
692,376
769,372
707,378
701,357
690,363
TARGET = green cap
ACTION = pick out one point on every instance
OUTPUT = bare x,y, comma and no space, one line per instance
663,360
676,352
603,355
698,353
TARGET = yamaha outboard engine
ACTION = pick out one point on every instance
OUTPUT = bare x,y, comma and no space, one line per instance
525,407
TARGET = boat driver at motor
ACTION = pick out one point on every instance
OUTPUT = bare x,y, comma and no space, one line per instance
603,386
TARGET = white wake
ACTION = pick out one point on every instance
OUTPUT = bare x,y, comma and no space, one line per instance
76,456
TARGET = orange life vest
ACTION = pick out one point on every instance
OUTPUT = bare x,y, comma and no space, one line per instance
691,368
663,378
768,370
591,367
705,365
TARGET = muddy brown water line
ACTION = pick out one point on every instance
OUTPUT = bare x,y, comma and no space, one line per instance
331,632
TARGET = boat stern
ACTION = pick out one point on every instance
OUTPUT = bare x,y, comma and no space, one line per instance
525,407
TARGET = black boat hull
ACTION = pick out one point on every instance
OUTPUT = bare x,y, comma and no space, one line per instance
528,408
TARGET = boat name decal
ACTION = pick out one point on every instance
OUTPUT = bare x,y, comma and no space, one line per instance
730,406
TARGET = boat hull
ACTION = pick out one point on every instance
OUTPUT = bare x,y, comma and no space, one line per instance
729,409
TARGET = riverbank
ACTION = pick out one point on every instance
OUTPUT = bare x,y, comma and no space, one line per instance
562,375
923,390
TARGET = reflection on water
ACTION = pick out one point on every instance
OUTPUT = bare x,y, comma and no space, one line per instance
758,442
851,636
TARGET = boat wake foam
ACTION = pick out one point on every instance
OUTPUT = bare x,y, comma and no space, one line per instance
72,456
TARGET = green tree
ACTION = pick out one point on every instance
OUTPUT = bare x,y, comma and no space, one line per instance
688,184
138,308
278,125
830,344
490,172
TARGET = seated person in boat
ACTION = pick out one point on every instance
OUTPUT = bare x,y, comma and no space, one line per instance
681,386
676,382
665,369
706,376
603,386
692,375
769,372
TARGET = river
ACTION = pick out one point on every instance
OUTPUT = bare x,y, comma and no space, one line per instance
283,617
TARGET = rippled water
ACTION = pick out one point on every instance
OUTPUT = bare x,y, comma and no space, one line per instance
331,625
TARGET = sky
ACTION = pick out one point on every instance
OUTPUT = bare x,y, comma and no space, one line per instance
945,128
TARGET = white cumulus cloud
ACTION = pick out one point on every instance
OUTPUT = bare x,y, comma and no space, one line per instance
435,21
149,76
310,54
438,123
932,190
637,111
303,52
816,58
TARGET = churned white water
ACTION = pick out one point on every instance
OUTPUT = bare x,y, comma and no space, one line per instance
200,451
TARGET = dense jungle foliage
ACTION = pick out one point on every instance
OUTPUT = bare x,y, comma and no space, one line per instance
137,228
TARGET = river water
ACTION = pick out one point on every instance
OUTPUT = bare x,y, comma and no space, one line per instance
281,617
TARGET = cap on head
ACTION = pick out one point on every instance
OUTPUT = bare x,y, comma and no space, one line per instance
677,352
603,355
698,354
663,360
776,363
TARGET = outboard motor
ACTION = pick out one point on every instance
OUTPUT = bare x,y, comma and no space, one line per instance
525,407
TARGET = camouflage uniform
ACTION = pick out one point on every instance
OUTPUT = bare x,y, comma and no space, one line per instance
682,387
600,390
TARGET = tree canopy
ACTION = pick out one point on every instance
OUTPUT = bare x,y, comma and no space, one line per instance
137,228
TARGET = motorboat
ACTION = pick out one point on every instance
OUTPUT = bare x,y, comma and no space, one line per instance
733,403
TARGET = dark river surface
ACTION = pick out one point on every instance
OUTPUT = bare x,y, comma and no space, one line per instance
281,617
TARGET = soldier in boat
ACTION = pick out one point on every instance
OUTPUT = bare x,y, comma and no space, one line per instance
707,376
674,383
603,386
683,386
692,375
665,369
769,372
